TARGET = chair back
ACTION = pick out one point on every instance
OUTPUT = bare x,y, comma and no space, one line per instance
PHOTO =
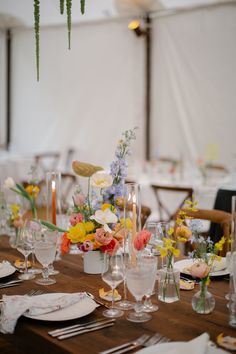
184,193
47,161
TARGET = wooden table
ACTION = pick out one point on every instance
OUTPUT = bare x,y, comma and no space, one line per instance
177,320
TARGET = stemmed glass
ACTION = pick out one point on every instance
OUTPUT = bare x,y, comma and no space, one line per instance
113,275
149,260
140,279
25,245
45,251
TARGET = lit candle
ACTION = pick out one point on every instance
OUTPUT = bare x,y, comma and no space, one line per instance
54,219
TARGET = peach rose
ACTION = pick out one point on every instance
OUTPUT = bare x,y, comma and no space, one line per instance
141,240
103,237
18,223
111,248
76,218
199,270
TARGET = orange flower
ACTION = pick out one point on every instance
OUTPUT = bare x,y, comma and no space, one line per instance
65,244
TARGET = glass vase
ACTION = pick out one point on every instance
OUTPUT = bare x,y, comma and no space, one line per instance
203,302
168,284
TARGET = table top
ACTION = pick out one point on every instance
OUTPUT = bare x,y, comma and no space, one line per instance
177,321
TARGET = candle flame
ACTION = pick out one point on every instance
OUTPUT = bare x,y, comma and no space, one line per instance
53,185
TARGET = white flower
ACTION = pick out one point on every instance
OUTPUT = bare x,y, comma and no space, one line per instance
105,217
9,183
101,180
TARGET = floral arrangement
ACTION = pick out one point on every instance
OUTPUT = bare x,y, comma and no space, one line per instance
15,218
37,23
30,192
96,222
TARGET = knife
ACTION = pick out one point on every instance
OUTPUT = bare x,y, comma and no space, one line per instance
8,285
84,327
85,331
59,331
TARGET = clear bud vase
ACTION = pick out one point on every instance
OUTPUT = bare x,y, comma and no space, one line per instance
203,302
168,284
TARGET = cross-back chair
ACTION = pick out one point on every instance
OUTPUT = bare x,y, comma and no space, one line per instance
47,161
165,214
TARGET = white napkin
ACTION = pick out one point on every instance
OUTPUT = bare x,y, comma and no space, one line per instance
12,307
196,346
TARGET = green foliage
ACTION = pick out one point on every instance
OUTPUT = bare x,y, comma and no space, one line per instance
36,32
62,3
82,6
68,12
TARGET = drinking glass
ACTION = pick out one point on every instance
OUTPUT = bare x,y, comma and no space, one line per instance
25,245
45,251
151,261
140,278
113,275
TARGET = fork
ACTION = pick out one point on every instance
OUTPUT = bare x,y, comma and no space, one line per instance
135,343
32,293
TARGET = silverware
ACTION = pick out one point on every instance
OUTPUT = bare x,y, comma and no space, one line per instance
12,282
9,285
70,329
157,338
97,301
59,331
85,331
137,342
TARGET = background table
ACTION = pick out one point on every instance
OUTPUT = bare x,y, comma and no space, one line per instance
177,320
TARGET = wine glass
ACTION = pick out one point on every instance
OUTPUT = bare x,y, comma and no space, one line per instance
45,251
151,261
113,275
25,245
140,278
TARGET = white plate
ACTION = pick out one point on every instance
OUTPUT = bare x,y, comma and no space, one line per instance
79,309
164,347
6,269
185,263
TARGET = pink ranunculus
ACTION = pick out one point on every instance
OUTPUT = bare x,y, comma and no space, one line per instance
111,247
199,270
79,199
141,240
76,218
103,237
86,246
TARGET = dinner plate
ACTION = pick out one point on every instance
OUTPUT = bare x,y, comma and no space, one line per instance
164,347
6,269
79,309
185,263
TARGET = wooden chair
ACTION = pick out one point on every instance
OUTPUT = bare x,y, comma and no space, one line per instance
145,213
164,213
47,161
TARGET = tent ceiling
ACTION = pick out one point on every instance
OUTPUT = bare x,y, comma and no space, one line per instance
20,12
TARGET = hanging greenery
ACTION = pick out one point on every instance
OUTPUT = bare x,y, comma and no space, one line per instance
37,24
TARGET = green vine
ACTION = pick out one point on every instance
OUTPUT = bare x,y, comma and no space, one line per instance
68,12
62,2
82,6
36,31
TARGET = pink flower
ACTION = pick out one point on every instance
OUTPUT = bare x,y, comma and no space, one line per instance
79,199
86,246
18,223
141,240
111,248
76,218
34,226
199,270
103,237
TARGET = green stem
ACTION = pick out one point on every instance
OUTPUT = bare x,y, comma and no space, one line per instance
51,226
36,32
62,3
89,196
68,12
82,6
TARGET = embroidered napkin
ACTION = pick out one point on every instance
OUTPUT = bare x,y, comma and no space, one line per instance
12,307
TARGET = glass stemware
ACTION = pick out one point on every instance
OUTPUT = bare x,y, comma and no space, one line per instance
113,275
140,279
149,260
45,251
25,245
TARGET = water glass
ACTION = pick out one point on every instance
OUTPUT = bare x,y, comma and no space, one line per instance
25,245
140,279
45,251
113,275
149,260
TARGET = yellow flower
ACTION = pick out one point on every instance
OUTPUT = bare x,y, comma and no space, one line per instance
179,222
89,226
219,245
168,242
170,231
15,209
32,190
128,223
108,206
176,252
77,233
89,237
163,252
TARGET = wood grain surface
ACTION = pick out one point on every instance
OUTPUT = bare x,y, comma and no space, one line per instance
177,320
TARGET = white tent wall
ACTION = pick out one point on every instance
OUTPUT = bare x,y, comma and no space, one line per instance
194,83
85,98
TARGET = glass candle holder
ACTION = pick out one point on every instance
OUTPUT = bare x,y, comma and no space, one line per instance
53,183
